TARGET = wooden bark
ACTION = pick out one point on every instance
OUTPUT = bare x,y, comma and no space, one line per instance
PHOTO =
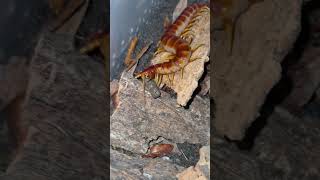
66,114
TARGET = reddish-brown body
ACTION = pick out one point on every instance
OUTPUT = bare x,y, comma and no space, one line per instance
173,43
159,150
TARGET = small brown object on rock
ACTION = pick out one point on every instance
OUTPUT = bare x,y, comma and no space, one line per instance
159,150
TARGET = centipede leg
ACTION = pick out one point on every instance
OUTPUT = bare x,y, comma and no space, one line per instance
159,50
194,59
205,10
196,48
156,79
160,80
182,73
170,57
193,21
144,88
188,37
172,79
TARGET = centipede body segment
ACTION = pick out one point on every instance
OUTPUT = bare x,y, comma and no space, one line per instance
177,45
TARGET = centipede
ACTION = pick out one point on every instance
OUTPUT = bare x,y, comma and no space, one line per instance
176,40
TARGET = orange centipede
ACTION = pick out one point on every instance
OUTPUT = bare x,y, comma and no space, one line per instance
174,41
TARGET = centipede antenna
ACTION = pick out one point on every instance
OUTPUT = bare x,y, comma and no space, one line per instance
156,79
144,88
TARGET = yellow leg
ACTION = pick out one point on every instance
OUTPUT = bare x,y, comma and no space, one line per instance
188,34
196,48
193,21
160,80
182,73
159,50
205,10
172,78
170,57
194,59
156,78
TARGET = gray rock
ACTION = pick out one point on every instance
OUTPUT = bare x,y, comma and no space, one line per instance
133,123
263,36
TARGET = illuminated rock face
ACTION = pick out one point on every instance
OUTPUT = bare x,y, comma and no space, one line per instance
186,85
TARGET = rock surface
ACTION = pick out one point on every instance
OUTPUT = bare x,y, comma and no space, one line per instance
13,80
134,123
287,148
201,171
263,36
66,113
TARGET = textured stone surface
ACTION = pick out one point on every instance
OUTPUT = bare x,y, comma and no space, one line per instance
287,148
263,36
133,123
13,80
66,114
201,171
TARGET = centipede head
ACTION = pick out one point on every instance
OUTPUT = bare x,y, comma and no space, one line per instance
148,73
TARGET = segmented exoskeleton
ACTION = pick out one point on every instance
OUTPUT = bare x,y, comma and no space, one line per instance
176,40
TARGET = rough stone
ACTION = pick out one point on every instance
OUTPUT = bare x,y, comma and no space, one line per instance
135,121
263,36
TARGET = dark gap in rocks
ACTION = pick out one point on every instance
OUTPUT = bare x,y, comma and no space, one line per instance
189,154
282,89
5,145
